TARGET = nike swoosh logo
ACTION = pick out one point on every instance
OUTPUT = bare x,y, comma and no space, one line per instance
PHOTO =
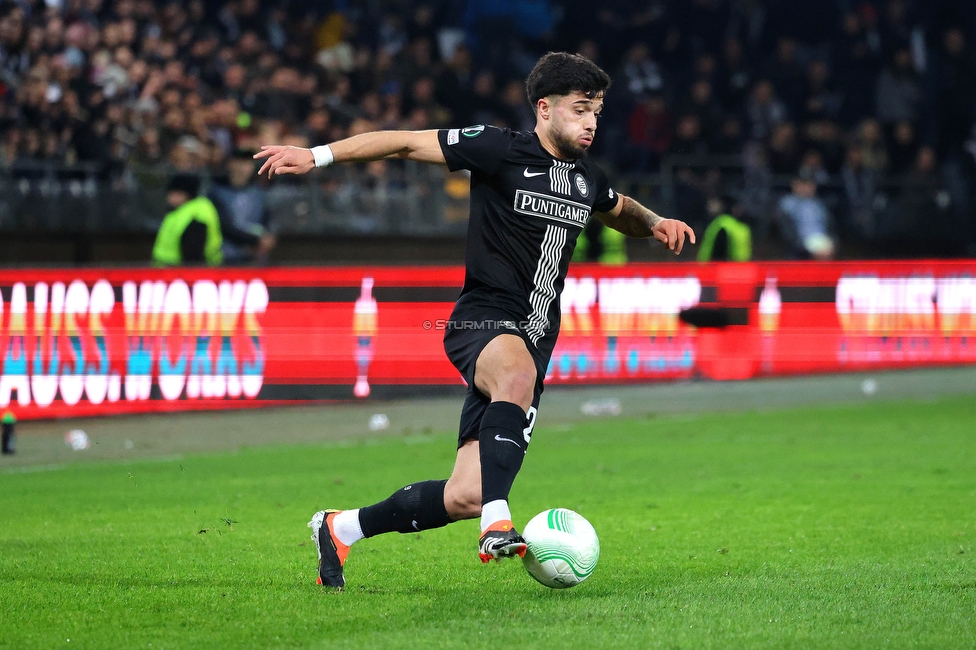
500,439
529,174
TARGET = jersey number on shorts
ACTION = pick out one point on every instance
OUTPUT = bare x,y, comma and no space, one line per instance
530,416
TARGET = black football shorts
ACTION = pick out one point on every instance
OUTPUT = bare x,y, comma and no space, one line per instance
470,329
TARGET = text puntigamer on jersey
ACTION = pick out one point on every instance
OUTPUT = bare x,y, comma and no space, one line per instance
550,207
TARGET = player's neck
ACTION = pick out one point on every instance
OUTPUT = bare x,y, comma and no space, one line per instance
550,146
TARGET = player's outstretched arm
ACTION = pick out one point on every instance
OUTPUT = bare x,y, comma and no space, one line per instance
634,220
421,146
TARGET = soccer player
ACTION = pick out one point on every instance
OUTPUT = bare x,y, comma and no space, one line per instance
531,196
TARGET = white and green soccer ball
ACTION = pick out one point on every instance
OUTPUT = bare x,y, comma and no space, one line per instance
563,548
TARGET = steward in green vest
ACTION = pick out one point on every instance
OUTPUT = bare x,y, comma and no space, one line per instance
597,243
726,238
190,233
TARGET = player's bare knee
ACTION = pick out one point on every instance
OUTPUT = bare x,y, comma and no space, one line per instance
518,387
472,507
463,501
464,505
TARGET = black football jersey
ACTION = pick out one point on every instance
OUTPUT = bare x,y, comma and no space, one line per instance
527,210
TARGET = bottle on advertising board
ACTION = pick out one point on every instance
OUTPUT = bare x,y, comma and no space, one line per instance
770,305
364,329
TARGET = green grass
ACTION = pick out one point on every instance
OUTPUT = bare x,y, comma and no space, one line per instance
819,527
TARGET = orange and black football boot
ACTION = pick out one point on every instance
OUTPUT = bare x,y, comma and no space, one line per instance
332,552
500,540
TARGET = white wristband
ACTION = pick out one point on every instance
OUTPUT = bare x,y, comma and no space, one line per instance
323,155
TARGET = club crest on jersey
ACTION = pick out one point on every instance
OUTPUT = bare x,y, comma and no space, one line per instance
581,185
473,131
552,208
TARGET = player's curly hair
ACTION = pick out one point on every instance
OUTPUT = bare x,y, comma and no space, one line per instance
561,73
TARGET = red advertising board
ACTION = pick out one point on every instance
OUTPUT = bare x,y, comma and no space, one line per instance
103,341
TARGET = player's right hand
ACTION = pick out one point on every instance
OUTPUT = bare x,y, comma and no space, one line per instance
285,160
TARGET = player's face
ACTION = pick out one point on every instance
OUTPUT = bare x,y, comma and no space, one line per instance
573,123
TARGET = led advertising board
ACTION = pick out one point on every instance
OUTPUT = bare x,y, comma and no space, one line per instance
103,341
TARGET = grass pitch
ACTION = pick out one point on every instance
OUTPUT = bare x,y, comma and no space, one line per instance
846,526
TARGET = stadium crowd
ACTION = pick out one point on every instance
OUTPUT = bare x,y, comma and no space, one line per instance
848,94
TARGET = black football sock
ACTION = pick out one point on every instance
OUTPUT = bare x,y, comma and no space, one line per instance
502,447
418,506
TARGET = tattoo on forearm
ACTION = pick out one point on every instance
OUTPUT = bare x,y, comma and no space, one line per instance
635,220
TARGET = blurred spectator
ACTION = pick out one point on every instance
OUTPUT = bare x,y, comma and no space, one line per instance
640,74
491,30
244,216
870,139
415,62
148,150
727,238
190,232
706,69
649,134
422,98
764,111
805,221
702,105
898,93
486,107
856,58
735,77
617,24
825,137
784,149
693,185
812,167
757,181
860,191
516,111
453,85
688,136
955,71
702,23
926,204
729,139
896,31
903,149
786,74
821,100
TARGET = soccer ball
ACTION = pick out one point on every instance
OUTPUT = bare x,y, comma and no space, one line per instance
563,548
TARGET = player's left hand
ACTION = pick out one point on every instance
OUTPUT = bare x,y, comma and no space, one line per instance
285,160
672,233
